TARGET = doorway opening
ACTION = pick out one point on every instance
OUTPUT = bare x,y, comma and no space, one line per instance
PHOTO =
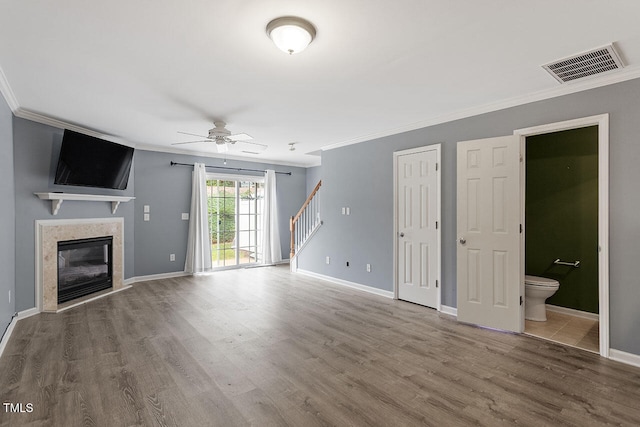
565,213
235,220
561,243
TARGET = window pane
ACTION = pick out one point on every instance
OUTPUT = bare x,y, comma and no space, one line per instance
232,207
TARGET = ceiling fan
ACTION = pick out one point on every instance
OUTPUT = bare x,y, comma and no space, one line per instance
223,138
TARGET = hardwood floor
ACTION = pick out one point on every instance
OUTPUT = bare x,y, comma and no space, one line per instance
265,347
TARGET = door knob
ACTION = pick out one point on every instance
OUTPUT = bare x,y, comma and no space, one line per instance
401,234
463,241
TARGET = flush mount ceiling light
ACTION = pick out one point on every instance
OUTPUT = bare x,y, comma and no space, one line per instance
291,34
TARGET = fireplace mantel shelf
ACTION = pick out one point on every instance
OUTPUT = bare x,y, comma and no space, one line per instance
58,198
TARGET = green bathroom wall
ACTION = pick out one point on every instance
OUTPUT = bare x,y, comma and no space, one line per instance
561,214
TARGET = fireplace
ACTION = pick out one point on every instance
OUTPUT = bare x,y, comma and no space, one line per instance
48,260
85,266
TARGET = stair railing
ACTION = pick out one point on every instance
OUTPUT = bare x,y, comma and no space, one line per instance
304,224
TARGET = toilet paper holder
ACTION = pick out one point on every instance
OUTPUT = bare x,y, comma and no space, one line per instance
572,264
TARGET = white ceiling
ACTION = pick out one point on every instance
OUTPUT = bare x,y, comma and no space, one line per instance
140,71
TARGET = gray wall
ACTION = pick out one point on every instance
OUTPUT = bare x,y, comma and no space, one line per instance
35,148
313,176
7,218
360,176
167,191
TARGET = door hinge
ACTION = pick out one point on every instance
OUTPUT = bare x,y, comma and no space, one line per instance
521,158
521,228
521,300
436,166
437,284
436,225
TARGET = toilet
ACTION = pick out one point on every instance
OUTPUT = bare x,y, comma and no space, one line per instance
536,291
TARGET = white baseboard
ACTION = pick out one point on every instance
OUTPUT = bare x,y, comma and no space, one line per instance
7,334
624,357
19,316
353,285
28,313
452,311
573,312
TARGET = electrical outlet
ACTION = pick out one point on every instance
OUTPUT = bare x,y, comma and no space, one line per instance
328,260
344,211
185,216
348,210
172,257
368,268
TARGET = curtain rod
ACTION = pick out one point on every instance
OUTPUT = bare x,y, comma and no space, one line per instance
224,167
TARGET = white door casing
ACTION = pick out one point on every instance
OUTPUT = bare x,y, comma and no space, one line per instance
490,277
417,218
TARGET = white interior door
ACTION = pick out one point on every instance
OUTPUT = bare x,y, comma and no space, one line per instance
417,217
490,278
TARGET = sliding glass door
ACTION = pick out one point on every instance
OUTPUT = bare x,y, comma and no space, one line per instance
235,220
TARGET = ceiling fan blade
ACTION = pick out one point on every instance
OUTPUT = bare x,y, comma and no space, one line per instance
191,142
240,137
192,134
253,145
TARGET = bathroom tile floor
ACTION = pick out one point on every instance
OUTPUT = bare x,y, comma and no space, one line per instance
566,329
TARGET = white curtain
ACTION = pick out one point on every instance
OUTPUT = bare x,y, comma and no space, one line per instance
271,251
199,244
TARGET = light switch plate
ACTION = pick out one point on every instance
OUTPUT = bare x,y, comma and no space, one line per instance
185,216
147,208
146,217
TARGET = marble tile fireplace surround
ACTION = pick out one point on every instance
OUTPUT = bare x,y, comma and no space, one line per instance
50,232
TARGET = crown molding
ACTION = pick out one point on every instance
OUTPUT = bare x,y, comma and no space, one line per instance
173,150
7,92
60,124
566,89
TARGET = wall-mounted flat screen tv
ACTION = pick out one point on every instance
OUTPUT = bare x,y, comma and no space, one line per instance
92,162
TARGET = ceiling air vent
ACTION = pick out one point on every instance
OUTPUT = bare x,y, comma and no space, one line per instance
585,64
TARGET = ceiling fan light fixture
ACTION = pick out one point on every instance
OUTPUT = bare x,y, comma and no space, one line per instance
291,34
222,147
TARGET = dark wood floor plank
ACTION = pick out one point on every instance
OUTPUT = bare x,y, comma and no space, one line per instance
265,347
